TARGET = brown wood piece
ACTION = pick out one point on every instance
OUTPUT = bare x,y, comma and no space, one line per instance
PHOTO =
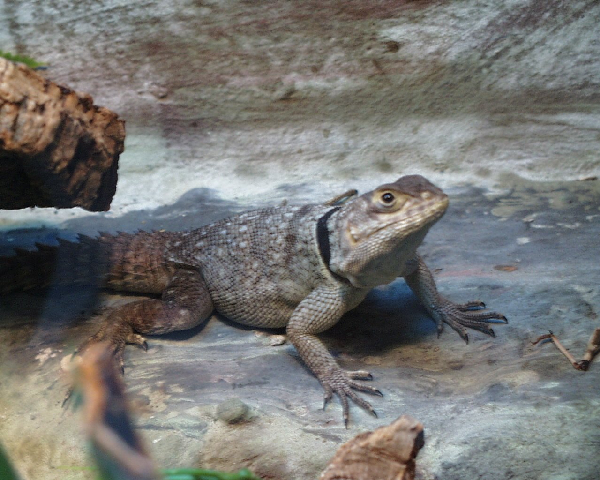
387,453
550,336
593,347
115,443
57,149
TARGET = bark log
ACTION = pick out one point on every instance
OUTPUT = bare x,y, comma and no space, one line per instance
57,149
387,453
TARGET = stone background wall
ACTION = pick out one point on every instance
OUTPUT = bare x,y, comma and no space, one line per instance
250,96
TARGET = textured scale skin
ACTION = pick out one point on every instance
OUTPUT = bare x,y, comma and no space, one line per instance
259,265
298,267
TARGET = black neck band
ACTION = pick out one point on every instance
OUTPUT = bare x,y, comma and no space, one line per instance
323,236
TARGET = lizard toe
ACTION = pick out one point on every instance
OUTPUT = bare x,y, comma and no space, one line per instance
440,329
486,316
327,395
365,388
360,375
470,306
136,339
341,383
119,358
458,328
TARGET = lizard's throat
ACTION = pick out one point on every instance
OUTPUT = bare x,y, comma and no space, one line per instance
364,268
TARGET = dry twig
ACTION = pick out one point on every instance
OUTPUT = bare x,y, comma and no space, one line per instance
115,444
592,349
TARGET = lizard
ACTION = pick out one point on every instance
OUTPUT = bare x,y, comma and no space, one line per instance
298,267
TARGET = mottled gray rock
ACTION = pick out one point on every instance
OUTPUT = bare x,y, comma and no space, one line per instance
232,411
251,97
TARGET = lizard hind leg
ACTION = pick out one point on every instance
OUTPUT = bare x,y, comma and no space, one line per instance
184,304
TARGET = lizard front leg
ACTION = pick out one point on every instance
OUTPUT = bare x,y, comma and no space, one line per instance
316,313
458,316
184,304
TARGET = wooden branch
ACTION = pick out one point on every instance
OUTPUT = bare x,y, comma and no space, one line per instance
386,453
593,347
56,147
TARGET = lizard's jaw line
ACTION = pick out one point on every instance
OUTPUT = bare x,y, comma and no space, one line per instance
432,212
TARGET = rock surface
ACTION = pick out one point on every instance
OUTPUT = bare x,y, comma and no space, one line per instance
249,98
265,101
492,409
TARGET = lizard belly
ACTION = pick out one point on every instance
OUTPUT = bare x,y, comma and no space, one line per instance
260,303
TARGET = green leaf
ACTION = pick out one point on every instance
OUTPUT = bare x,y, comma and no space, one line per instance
202,474
30,62
7,472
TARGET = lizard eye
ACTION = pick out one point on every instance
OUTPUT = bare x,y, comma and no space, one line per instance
388,198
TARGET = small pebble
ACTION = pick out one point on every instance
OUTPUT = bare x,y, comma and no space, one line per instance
277,340
232,411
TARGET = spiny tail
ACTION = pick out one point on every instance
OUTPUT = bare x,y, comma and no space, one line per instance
69,263
126,262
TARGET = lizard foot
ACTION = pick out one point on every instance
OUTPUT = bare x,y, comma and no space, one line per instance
117,335
467,315
343,383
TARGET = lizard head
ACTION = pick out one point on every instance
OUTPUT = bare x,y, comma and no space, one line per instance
378,232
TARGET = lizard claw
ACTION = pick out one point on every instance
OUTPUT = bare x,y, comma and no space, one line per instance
467,315
342,383
135,339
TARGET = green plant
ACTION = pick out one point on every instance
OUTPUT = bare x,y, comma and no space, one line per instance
7,472
201,474
30,62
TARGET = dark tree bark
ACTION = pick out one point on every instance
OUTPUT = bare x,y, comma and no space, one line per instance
57,149
387,453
